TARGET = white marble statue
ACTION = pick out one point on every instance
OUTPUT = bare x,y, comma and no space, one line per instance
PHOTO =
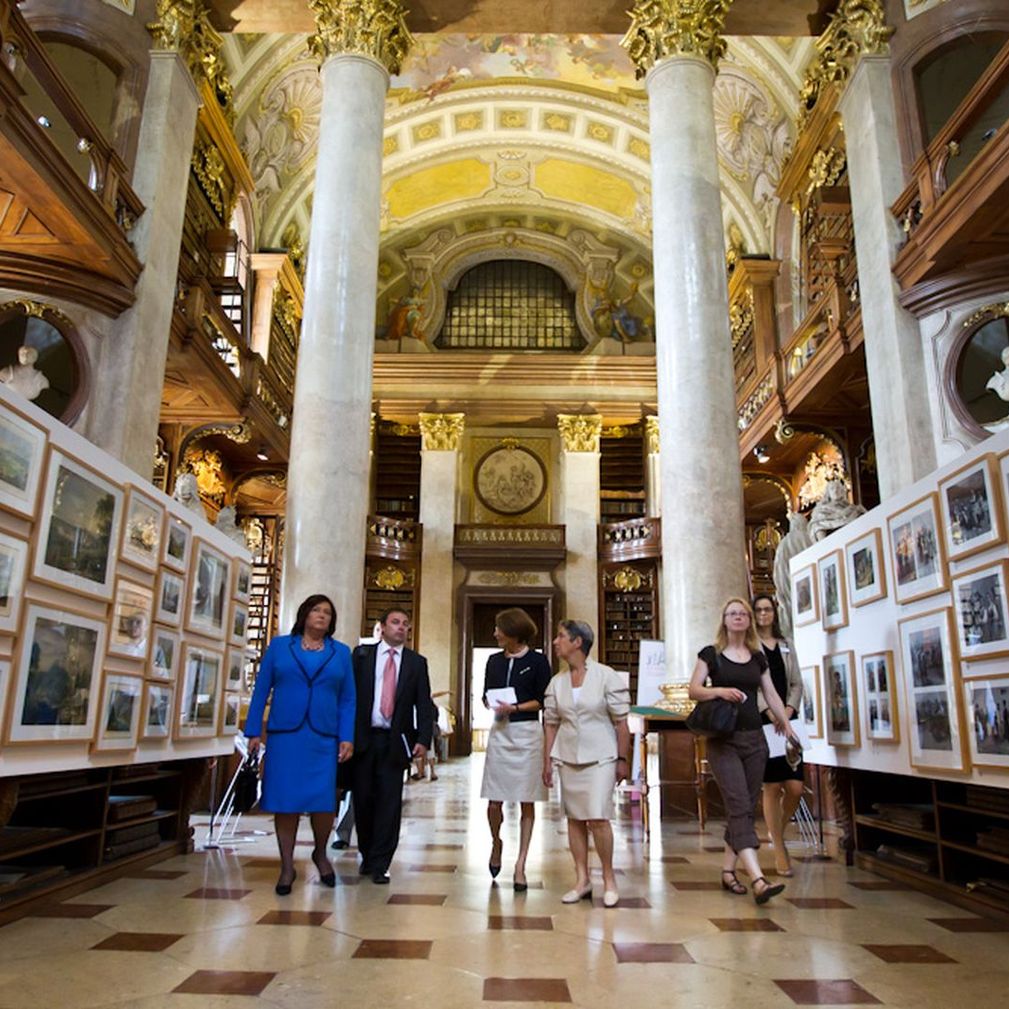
832,511
187,492
999,382
24,378
794,541
227,525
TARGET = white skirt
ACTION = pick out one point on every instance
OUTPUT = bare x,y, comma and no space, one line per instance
587,790
513,771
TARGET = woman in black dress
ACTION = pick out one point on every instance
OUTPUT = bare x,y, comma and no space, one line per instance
736,668
782,782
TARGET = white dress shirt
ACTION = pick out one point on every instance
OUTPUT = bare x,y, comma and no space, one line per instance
381,657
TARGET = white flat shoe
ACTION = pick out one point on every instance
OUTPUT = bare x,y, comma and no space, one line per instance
611,898
573,896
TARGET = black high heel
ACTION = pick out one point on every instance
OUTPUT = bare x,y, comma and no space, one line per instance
495,869
325,878
283,889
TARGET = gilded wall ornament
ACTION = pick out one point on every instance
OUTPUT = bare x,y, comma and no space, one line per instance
183,26
826,168
390,578
663,28
375,28
441,432
211,172
652,434
580,431
627,580
208,467
509,578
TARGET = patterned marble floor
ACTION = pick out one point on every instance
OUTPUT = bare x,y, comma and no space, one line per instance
207,930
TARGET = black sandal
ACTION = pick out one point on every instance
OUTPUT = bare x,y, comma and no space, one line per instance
735,886
767,892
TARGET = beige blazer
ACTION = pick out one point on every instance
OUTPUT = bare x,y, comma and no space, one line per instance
794,677
585,733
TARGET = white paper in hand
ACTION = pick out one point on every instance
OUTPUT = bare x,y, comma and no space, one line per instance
501,695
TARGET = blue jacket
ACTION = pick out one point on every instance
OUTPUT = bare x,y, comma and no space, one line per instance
326,702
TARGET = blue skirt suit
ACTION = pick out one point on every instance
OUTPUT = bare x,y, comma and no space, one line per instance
311,713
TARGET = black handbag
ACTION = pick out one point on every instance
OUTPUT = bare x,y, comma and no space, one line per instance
713,719
247,784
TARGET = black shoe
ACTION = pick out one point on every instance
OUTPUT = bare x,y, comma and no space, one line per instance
520,887
339,844
381,878
283,889
364,869
325,878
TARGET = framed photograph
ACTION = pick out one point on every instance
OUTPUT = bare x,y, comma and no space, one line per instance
811,710
56,687
166,651
987,703
243,580
22,454
119,725
235,666
5,683
833,602
880,695
231,714
841,694
13,566
239,624
199,699
805,605
866,569
928,658
142,530
130,629
971,510
170,598
78,529
209,592
916,547
156,721
177,541
982,608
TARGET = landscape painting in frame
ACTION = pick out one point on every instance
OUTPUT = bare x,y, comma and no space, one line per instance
833,604
880,697
177,542
200,698
157,711
13,562
987,702
866,570
166,648
243,580
804,597
209,591
119,725
916,547
982,611
840,699
971,511
142,529
811,708
22,453
171,597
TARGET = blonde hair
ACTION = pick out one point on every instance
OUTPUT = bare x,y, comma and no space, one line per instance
722,636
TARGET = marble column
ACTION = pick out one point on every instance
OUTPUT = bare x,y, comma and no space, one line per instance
441,439
580,514
894,352
328,477
653,469
676,45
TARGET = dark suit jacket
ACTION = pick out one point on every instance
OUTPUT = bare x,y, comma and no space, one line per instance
413,701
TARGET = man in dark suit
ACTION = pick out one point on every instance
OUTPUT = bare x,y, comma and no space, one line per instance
393,726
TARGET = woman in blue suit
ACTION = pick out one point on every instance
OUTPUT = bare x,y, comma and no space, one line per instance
311,729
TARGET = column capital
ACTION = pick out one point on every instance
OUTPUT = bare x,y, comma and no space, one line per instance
183,26
580,431
664,28
441,432
373,28
652,434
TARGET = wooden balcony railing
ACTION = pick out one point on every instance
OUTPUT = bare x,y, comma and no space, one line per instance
510,546
394,539
635,539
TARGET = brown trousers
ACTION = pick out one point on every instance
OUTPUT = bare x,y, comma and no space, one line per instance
737,763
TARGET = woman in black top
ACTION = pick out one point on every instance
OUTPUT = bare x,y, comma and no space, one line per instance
736,668
515,745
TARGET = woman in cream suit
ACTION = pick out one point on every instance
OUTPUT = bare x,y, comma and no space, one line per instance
585,715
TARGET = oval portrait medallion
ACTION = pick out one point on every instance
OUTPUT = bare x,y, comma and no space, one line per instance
510,480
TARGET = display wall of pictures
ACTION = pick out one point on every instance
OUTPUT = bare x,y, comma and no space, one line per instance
833,603
930,691
166,653
805,605
866,569
55,694
142,530
840,695
231,714
178,541
879,693
971,509
78,529
916,550
239,624
22,456
199,699
243,581
170,599
209,591
130,627
119,724
982,608
156,722
811,707
987,702
13,565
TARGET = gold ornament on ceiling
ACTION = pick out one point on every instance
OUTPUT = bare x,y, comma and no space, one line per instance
183,26
441,432
375,28
664,28
580,432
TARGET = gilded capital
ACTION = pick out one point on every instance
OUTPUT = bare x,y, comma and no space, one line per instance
441,432
663,28
652,434
580,431
183,26
375,28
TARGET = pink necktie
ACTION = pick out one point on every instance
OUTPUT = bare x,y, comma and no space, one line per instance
388,685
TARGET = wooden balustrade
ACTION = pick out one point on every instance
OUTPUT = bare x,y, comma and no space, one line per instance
635,539
394,539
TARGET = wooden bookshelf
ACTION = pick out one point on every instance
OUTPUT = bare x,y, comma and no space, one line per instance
621,474
397,474
629,613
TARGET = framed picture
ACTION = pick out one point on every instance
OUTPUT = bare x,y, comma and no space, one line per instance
243,580
231,714
916,547
841,696
142,530
880,695
176,544
56,687
987,703
930,692
156,721
119,725
971,510
5,683
239,624
22,454
805,606
811,710
130,629
199,699
982,608
166,651
235,666
170,598
833,603
208,591
13,565
866,569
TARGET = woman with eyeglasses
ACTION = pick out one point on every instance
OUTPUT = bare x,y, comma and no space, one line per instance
783,782
735,669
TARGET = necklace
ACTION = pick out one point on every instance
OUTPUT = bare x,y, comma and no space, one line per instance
306,646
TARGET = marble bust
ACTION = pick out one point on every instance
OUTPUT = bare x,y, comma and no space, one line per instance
999,382
832,511
24,378
226,524
187,492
